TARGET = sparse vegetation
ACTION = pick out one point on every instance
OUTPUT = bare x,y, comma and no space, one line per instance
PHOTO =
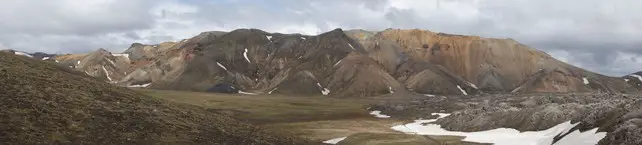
42,103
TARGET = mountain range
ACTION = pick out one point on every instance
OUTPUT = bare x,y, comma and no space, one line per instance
352,63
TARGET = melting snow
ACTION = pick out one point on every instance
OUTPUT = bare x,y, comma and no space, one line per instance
637,76
268,37
507,136
246,93
472,85
390,90
324,91
462,90
334,141
45,58
586,82
23,54
351,46
140,86
122,54
221,65
378,114
335,64
270,92
107,74
110,61
245,55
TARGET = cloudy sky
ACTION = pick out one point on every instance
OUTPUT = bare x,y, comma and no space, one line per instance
601,35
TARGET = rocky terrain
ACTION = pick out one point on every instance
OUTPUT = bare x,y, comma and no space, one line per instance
342,63
44,103
486,83
617,114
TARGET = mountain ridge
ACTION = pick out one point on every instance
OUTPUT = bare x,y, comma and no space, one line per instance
417,60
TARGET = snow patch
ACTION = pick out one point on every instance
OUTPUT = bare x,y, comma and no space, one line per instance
378,114
110,61
268,37
106,73
246,93
507,136
221,65
429,95
245,55
590,137
335,140
23,54
121,54
78,62
517,89
303,38
335,64
57,61
626,80
637,76
586,82
462,90
472,85
351,46
324,91
270,92
45,58
140,86
390,90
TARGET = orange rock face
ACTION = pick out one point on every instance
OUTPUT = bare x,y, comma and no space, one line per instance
482,61
491,64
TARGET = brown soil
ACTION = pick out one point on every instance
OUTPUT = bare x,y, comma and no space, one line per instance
42,103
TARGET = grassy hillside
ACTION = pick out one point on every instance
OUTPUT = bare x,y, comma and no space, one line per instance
317,118
42,103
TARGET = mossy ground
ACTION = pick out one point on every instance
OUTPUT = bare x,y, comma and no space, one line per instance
42,103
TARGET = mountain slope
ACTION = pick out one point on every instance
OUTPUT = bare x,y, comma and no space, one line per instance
258,62
499,65
418,61
43,103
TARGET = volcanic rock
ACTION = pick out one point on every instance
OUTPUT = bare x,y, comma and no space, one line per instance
496,65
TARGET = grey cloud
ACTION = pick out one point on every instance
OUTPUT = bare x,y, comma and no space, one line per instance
72,26
594,33
79,17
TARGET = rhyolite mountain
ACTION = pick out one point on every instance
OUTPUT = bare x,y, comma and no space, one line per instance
354,63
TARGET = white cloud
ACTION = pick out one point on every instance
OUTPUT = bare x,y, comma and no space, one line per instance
575,31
